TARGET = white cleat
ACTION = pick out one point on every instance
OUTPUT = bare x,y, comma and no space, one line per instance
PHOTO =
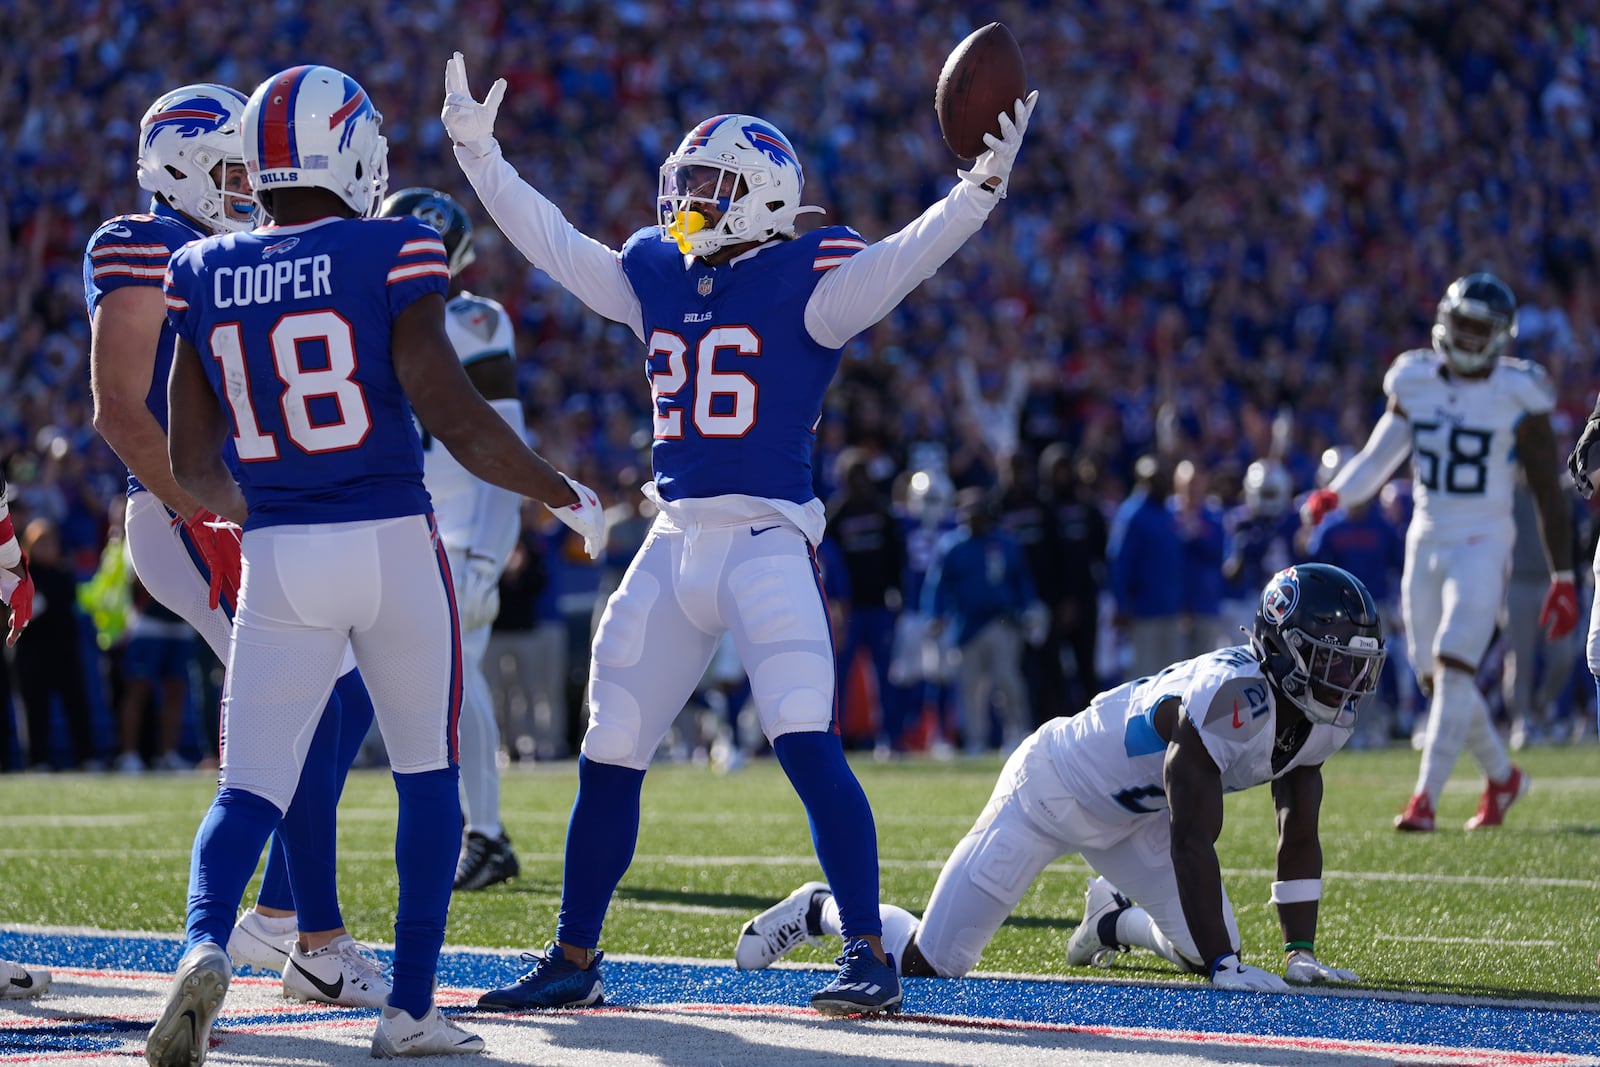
341,972
782,928
182,1036
399,1034
1086,946
19,983
252,945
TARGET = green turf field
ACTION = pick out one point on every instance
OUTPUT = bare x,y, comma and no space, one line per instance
1514,911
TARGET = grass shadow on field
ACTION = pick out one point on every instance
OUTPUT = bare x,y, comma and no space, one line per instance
643,894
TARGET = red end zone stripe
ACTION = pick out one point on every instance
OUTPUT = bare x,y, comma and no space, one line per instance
276,151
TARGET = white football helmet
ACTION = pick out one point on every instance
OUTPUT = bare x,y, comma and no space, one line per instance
183,138
742,168
315,127
1268,489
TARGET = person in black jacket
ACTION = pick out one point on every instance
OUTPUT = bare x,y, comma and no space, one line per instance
1073,592
49,661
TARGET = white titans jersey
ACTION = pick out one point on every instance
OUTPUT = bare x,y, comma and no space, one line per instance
1463,439
478,328
1111,757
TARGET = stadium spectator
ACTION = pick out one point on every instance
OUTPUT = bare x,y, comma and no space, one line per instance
1200,531
1146,564
49,659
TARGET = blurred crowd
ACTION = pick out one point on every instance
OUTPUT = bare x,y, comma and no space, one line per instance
1228,217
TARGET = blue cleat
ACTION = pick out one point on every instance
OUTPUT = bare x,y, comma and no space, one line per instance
863,987
552,982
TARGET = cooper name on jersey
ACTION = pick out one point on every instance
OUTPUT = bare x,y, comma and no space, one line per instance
266,283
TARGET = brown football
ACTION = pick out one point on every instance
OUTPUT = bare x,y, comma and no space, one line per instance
982,77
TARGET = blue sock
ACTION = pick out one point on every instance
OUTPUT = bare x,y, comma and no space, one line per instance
600,838
310,826
355,720
425,847
275,891
226,848
842,830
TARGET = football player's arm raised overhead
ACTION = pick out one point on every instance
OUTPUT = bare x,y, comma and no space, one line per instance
585,267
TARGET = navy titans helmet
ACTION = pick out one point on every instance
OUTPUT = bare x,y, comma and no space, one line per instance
1320,641
440,211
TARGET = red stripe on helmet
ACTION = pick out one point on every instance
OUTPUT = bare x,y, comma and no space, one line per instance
277,149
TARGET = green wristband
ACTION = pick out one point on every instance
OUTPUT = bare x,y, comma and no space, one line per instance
1297,946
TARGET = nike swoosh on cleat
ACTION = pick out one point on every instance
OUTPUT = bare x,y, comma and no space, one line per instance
755,532
25,982
331,991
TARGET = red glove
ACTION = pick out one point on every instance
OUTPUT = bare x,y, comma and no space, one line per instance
1559,616
217,541
21,601
1319,502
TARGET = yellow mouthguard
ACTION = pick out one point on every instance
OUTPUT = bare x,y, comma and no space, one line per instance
683,224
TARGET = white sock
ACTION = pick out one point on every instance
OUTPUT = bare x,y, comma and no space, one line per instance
1136,927
898,926
277,924
1456,704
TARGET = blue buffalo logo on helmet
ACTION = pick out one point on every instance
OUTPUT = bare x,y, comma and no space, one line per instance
1281,596
193,117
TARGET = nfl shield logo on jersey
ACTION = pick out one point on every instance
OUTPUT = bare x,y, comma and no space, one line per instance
704,287
1281,596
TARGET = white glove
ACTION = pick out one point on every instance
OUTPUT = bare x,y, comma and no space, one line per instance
479,593
1306,968
1230,973
469,123
990,170
586,517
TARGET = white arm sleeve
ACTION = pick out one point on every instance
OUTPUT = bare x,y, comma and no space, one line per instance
496,513
583,266
863,290
10,551
1361,478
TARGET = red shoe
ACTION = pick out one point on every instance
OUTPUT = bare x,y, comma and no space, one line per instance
1418,816
1497,799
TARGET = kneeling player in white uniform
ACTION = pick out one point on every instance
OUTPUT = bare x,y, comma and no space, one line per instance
1466,413
1134,785
478,524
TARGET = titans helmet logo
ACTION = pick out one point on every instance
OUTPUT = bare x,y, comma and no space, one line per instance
1281,596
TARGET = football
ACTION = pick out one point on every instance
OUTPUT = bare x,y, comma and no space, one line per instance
982,77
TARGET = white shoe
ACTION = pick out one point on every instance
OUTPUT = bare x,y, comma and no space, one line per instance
341,972
129,763
171,761
252,944
400,1034
182,1036
19,983
1086,946
782,928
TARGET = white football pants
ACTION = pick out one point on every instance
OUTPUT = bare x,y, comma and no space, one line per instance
1032,819
310,592
756,580
480,733
1452,595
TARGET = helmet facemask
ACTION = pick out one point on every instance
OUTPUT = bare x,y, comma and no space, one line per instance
188,141
1329,681
1470,331
733,180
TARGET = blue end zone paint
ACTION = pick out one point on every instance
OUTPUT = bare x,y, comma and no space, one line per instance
1334,1018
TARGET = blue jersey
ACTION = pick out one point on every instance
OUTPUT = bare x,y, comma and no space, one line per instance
736,379
293,326
132,250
